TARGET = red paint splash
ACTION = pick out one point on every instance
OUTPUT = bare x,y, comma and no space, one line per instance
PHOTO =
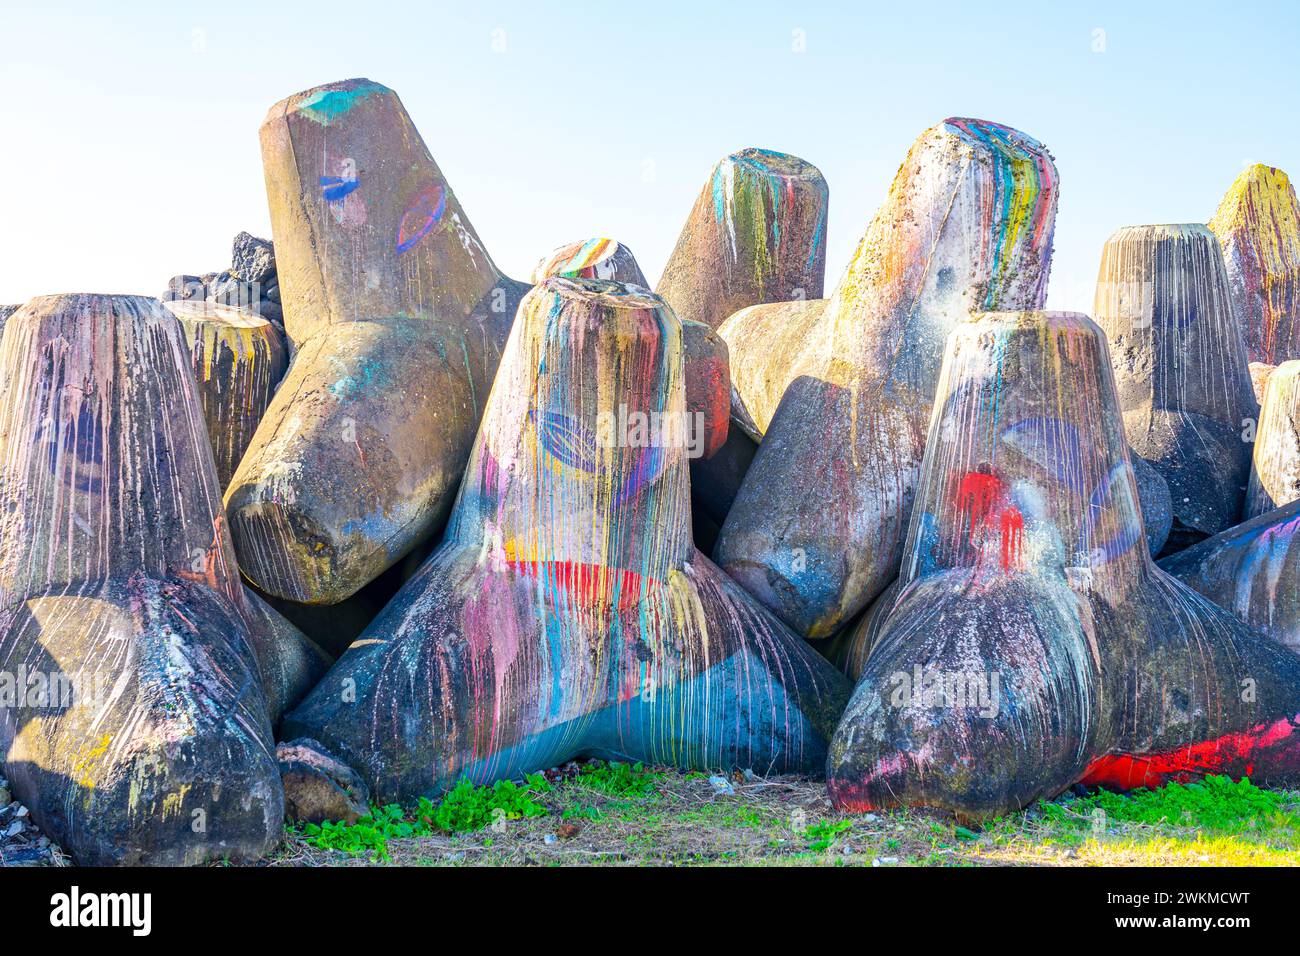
981,503
590,585
978,493
1013,535
708,390
1266,746
216,572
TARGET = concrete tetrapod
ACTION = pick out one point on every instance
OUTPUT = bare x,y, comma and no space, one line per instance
141,732
1252,570
757,233
708,382
850,649
1181,370
1032,641
1275,462
1259,376
567,612
1258,225
839,389
397,315
597,258
238,359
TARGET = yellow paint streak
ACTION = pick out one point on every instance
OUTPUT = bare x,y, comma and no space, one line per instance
85,764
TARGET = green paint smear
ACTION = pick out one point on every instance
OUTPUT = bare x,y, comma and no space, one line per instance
328,105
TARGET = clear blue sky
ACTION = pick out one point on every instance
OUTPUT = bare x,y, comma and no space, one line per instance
128,131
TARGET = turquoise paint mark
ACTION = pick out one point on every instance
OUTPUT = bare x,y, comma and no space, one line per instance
348,386
817,235
328,105
774,185
719,197
926,559
774,732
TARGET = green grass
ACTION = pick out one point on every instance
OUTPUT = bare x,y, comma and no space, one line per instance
618,779
1214,804
629,814
465,808
823,834
368,835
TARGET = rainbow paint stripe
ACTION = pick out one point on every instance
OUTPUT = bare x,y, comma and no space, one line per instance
1025,182
754,193
577,260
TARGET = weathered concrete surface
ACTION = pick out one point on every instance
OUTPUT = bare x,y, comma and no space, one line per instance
708,389
1275,470
1157,503
757,233
851,647
398,316
1260,373
716,480
238,359
290,663
119,582
1251,570
568,612
1184,387
839,390
1031,641
331,626
1258,225
708,380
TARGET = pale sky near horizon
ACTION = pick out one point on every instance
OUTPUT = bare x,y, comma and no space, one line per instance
129,150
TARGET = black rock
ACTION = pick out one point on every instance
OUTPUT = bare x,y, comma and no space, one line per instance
228,290
270,311
319,786
252,259
183,287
